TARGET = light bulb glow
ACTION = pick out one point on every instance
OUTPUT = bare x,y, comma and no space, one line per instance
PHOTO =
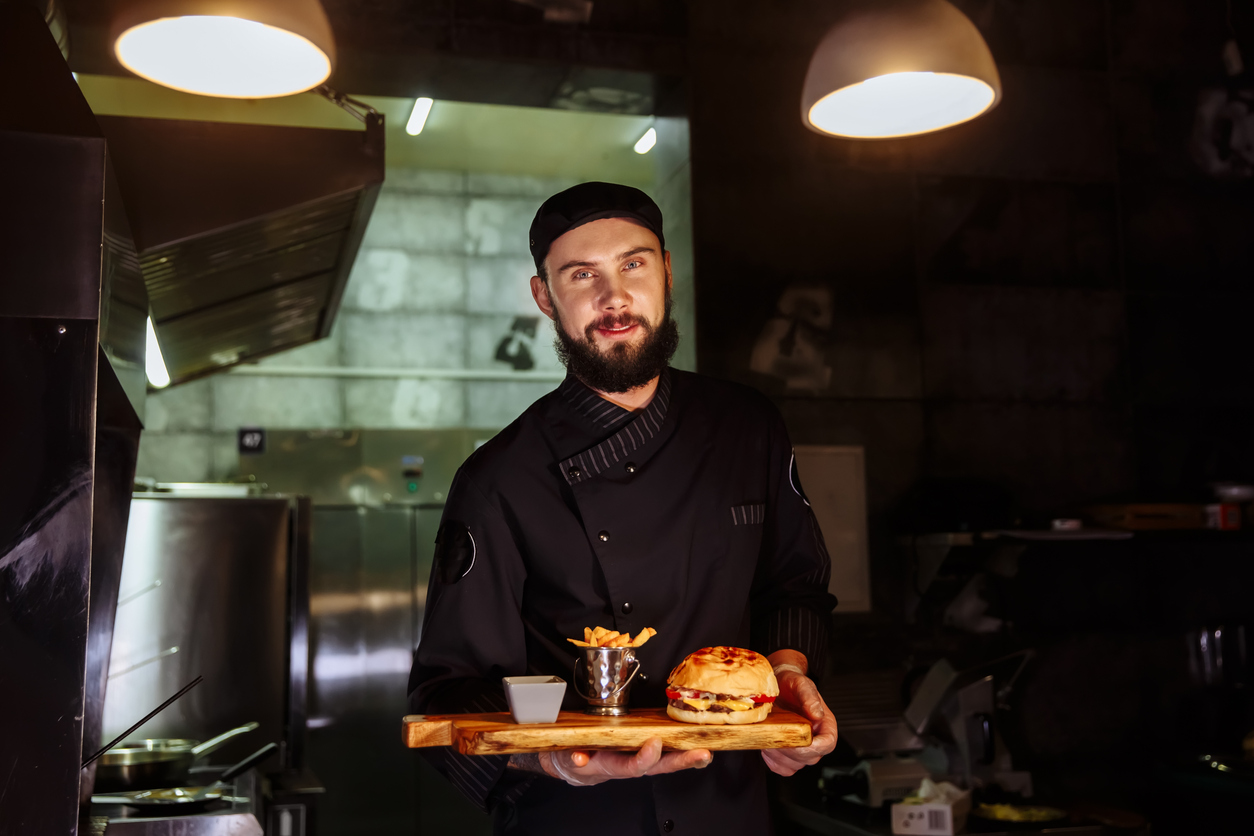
418,118
901,104
154,363
222,56
645,143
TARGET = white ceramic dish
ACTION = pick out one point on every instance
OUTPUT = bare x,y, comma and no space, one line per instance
534,699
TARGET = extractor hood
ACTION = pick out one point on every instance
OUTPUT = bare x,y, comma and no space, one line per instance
245,233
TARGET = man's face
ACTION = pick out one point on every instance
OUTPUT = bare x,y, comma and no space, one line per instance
608,293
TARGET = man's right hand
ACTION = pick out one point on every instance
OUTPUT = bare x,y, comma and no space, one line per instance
584,769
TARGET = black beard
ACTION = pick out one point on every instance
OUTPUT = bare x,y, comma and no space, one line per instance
623,367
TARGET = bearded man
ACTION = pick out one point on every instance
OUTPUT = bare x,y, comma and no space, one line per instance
634,495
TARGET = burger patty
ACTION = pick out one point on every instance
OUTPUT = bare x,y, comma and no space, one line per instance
706,695
716,709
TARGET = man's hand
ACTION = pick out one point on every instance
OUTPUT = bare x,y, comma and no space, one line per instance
584,769
798,693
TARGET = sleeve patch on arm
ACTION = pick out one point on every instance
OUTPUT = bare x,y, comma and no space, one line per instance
794,479
454,551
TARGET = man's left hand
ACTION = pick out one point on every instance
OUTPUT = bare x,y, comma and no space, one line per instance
798,693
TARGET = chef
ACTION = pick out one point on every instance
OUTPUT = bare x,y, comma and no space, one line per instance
634,495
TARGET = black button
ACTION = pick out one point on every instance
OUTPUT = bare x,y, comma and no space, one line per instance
668,825
627,609
605,536
631,467
574,473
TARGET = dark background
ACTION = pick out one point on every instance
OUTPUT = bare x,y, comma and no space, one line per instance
1043,308
1052,297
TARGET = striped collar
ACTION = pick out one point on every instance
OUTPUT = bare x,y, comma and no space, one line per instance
631,437
589,404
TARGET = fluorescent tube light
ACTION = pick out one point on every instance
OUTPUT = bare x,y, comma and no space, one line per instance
645,143
418,119
154,364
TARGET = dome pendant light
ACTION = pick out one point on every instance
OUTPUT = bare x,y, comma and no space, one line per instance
897,68
237,49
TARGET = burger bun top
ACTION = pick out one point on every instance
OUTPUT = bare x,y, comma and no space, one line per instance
734,671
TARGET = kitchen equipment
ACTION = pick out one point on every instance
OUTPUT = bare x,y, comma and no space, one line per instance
957,713
1143,516
70,312
224,580
534,699
156,762
1223,516
498,734
189,686
186,797
874,782
244,234
607,676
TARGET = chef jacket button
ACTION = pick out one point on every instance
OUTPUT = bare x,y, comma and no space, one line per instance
626,609
574,472
668,825
631,467
605,536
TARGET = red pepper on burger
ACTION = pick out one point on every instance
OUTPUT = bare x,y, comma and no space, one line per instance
721,685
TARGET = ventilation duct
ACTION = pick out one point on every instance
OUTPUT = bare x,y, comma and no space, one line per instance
245,233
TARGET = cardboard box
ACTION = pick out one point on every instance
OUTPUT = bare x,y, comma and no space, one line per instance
932,819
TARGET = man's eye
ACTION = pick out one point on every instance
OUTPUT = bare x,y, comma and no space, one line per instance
631,265
583,274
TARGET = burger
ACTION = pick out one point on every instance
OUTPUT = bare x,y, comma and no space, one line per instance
721,685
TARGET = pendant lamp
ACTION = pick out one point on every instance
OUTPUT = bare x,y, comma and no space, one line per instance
895,68
237,49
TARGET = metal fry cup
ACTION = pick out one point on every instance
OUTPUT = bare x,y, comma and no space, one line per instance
605,678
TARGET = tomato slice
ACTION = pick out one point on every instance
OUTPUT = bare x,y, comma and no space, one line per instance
672,694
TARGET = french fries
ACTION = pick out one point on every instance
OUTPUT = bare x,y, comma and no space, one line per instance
600,637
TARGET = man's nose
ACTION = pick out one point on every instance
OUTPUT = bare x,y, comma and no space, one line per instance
614,295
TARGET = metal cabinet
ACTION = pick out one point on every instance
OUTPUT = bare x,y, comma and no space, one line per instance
368,581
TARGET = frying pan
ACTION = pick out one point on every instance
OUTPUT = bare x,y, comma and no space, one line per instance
186,799
159,762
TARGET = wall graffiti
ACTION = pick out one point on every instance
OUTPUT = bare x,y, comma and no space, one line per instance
793,342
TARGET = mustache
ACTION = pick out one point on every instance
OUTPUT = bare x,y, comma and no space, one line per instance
617,321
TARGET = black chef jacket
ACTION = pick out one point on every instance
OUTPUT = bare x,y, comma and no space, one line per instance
687,517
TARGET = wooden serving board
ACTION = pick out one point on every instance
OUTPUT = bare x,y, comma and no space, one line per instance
498,734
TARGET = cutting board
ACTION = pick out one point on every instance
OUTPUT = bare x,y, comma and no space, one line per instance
498,734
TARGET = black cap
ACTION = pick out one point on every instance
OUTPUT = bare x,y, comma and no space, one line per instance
588,202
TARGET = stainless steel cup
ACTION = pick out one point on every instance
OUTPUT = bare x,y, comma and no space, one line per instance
606,678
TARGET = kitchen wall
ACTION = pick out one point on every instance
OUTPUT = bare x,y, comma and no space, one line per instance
441,283
1050,299
1042,308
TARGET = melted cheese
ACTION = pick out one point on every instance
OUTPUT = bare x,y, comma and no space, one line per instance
703,705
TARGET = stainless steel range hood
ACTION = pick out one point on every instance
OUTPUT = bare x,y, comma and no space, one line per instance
245,233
